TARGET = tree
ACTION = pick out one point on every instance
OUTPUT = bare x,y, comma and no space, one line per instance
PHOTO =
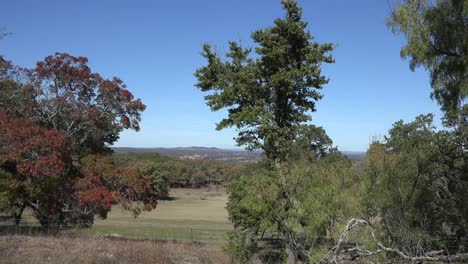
160,181
415,181
131,188
436,39
33,162
64,94
313,141
38,172
414,192
269,97
58,121
322,191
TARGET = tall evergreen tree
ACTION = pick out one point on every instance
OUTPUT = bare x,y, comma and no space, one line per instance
269,97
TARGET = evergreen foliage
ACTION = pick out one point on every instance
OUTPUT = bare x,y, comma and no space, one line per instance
269,95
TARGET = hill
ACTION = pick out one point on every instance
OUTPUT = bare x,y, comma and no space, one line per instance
355,156
229,155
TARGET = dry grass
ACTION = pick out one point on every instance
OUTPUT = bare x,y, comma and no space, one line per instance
186,210
193,215
189,205
41,249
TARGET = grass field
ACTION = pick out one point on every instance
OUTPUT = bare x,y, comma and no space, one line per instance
191,214
193,225
197,215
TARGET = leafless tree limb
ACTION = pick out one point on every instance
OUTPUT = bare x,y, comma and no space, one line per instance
432,256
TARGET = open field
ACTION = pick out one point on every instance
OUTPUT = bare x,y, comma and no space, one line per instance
190,215
15,249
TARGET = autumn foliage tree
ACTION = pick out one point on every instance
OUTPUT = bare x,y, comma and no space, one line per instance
57,123
35,159
87,108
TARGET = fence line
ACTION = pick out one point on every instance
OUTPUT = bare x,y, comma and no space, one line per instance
146,232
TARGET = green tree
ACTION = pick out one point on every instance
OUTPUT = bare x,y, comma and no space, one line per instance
269,96
312,141
416,183
436,39
320,194
159,181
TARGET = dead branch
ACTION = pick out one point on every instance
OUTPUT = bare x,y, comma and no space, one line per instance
432,256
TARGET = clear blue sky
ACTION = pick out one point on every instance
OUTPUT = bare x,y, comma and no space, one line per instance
154,47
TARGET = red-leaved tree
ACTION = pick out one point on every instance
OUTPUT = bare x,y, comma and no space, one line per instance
37,160
86,107
58,121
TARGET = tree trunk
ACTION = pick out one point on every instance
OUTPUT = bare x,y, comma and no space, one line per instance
18,215
291,257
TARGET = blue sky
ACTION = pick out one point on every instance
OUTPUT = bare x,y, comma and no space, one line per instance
154,47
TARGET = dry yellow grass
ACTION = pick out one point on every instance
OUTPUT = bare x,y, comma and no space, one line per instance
191,215
17,249
194,215
190,207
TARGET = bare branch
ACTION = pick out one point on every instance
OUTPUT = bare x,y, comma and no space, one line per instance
432,256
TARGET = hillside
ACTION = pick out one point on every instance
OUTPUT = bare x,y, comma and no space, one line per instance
229,155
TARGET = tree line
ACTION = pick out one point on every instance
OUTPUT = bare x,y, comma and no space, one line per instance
171,172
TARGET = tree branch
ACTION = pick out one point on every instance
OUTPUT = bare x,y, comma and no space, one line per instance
431,256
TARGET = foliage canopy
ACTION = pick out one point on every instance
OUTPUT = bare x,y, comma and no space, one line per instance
436,39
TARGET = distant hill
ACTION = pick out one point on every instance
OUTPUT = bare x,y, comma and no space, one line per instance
355,155
229,155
